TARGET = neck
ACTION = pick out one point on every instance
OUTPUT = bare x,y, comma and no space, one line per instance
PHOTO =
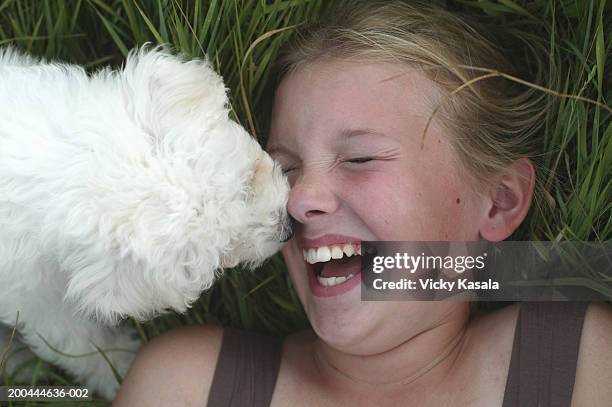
420,362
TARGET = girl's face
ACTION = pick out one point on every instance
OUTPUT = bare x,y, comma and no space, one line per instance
348,136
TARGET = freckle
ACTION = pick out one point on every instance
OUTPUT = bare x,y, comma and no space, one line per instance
458,201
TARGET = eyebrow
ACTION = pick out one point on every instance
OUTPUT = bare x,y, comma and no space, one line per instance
279,149
348,133
345,134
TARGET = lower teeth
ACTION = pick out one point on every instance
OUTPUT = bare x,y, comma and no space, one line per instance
332,281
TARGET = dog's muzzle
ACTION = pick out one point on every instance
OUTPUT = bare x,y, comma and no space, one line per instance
287,229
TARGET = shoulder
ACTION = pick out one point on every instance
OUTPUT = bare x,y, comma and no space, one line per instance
505,316
175,368
594,369
495,328
488,346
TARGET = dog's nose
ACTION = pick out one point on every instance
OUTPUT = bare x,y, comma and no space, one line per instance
288,230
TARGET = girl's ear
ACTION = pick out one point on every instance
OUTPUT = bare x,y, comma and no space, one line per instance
509,201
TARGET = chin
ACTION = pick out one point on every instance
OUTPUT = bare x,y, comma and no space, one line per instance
344,330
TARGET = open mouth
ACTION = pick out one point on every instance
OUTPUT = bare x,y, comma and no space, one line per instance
334,265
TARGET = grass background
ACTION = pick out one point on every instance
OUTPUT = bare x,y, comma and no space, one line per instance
562,45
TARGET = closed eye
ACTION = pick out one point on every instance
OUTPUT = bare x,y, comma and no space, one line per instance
360,160
357,160
287,170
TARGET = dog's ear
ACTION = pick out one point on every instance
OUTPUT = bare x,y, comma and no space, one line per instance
164,93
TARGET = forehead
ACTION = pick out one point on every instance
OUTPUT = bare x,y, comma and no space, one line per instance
330,95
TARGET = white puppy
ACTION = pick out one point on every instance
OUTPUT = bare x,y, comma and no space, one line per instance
122,194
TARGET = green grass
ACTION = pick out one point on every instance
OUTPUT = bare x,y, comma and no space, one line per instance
565,46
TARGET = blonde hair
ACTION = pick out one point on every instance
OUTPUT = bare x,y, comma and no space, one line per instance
493,121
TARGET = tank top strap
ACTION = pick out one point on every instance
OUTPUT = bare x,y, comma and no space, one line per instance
246,371
545,354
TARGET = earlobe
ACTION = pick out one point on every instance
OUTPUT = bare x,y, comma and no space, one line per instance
509,201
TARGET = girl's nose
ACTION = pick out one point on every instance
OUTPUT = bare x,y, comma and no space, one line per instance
312,197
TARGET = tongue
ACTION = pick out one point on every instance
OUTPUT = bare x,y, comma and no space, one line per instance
342,267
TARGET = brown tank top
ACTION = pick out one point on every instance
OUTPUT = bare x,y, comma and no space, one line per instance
246,370
542,366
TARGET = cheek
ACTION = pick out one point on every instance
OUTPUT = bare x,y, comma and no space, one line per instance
406,205
289,253
295,266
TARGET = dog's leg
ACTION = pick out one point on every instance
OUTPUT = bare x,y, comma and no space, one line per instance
48,324
37,294
76,338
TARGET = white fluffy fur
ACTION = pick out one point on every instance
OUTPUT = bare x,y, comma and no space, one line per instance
122,194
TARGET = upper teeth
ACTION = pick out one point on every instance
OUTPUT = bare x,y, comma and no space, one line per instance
326,253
